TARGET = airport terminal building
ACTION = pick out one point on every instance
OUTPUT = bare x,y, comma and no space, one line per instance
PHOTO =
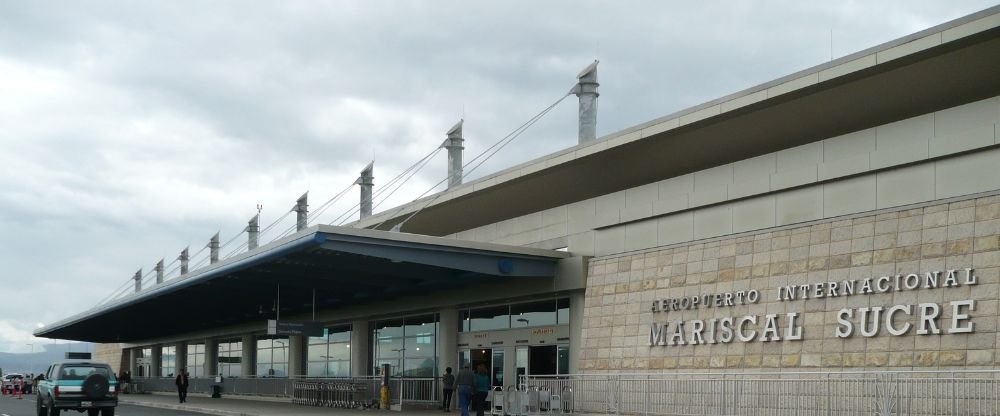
846,216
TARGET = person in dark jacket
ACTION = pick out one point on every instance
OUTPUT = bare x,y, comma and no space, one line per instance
126,381
182,385
448,387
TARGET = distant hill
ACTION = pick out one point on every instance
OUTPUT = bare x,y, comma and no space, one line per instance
40,360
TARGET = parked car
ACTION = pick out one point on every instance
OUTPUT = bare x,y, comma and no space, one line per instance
77,385
12,382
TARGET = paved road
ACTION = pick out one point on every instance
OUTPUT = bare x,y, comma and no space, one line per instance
26,407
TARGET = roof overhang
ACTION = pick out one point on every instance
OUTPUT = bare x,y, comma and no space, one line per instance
952,73
335,265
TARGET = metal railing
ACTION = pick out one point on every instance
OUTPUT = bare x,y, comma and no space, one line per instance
788,393
408,389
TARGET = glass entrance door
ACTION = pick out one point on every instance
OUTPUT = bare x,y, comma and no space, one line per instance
542,360
491,358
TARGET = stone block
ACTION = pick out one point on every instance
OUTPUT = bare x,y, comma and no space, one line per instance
753,214
609,241
967,117
968,174
850,165
963,141
906,185
794,177
799,205
849,145
849,196
675,228
713,221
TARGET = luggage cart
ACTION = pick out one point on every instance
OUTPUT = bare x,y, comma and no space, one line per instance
497,405
566,399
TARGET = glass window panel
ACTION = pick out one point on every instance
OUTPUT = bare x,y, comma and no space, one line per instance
342,334
390,328
463,321
464,358
279,354
420,325
316,369
495,317
529,314
317,353
416,347
419,367
387,345
563,360
394,363
340,351
340,369
497,370
563,307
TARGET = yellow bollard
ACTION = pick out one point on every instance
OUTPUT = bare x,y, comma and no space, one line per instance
384,397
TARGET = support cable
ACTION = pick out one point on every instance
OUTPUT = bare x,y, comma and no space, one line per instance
488,153
329,203
384,193
340,219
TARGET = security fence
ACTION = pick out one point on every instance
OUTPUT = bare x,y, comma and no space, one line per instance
407,390
254,386
792,393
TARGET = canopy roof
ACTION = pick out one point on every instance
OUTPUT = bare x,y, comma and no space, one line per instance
344,266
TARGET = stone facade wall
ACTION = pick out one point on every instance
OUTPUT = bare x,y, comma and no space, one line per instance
953,235
111,354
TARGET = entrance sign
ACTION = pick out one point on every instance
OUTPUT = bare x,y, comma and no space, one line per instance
865,321
309,329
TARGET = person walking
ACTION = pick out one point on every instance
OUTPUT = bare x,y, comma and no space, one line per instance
448,387
126,381
466,381
182,385
482,389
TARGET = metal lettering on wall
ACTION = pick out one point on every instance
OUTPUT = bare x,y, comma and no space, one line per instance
864,321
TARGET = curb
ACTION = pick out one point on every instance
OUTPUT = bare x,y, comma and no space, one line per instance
168,406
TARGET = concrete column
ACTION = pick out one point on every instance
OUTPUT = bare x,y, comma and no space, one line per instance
367,183
447,340
213,249
253,232
133,357
138,280
211,357
185,259
181,359
248,363
586,90
359,348
302,212
454,145
576,305
296,355
154,365
159,272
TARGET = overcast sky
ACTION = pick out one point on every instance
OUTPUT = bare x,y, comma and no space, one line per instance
131,130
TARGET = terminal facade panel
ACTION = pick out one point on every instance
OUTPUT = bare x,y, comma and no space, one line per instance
843,217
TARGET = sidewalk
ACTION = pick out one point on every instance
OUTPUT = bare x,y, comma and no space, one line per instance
251,407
